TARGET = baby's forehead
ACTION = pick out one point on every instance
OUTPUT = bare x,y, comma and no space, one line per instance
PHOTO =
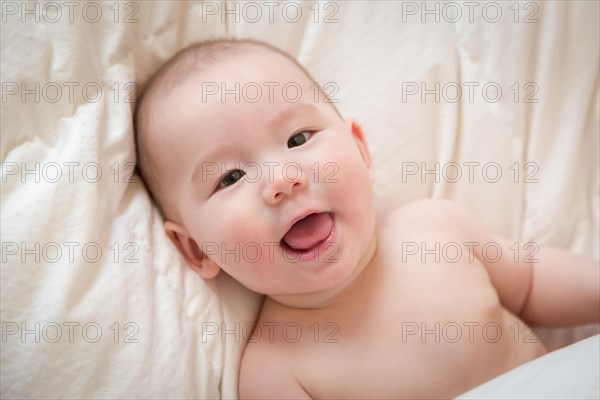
255,67
255,81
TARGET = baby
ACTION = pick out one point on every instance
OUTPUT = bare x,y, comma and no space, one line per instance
257,175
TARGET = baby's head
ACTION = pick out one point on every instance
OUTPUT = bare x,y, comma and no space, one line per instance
254,170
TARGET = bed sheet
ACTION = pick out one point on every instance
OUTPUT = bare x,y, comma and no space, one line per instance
95,301
572,372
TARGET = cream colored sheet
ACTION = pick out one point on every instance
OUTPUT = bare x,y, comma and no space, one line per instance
95,302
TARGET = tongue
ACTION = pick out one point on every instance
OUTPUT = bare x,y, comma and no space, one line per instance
309,231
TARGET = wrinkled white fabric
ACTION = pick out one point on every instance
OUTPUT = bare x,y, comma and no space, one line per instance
134,321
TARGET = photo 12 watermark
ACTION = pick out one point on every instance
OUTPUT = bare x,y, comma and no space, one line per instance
52,12
68,172
469,331
471,92
469,172
454,252
289,332
254,92
69,252
253,12
69,92
452,12
269,252
69,332
268,171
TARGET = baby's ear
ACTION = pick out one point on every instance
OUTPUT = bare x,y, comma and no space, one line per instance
361,142
190,251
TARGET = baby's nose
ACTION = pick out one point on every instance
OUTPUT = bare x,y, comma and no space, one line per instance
284,183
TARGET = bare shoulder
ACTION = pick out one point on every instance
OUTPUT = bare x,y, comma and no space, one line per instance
267,373
431,210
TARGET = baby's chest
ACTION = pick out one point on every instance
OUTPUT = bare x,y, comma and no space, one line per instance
410,360
397,340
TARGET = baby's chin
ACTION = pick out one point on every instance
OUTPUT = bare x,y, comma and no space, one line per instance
323,286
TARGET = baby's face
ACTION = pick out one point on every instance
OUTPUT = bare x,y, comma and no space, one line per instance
276,193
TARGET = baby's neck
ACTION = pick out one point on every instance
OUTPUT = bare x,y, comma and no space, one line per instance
331,296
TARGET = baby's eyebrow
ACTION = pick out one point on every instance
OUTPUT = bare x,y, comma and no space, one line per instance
296,108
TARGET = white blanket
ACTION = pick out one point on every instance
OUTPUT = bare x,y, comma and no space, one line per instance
569,373
95,301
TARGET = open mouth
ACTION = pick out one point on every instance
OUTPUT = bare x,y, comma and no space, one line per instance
309,233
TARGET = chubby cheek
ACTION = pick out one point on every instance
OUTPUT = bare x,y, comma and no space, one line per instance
224,225
352,194
234,238
352,184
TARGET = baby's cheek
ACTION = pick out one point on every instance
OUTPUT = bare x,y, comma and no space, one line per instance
337,179
352,185
216,224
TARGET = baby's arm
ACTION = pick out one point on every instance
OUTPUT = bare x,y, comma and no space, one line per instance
552,287
565,289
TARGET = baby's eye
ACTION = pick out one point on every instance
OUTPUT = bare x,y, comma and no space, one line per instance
231,178
298,139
